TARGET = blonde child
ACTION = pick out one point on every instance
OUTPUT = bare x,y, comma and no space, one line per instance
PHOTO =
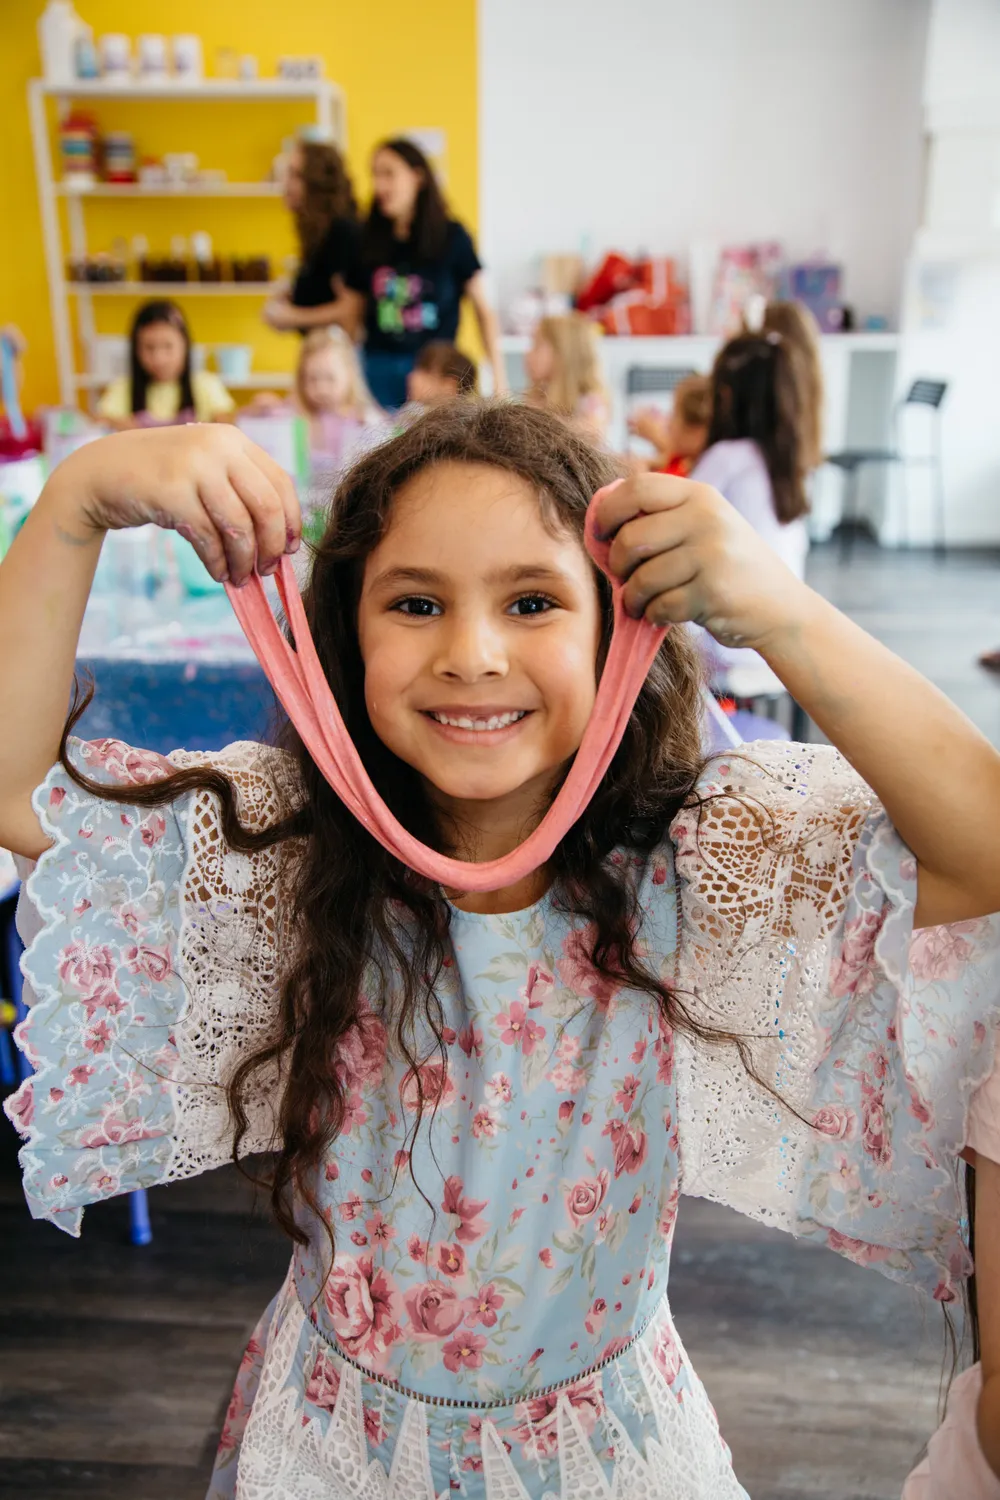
441,373
161,387
563,366
679,436
482,1107
331,393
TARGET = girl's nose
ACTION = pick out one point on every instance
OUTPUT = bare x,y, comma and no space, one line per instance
472,649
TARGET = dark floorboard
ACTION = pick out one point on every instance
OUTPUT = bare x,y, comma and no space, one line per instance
116,1363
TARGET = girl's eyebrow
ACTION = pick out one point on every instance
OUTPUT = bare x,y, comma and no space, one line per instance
432,578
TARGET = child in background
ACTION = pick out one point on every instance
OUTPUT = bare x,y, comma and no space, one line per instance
758,442
755,457
564,368
963,1457
679,436
441,373
713,970
161,387
797,328
331,393
18,436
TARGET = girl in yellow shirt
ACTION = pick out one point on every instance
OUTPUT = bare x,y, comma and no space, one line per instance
161,387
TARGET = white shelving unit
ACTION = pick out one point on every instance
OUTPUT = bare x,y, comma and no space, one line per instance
328,103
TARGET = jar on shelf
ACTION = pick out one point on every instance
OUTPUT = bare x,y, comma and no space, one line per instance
256,268
78,140
119,157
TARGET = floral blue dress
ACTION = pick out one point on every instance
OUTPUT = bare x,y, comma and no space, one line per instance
493,1322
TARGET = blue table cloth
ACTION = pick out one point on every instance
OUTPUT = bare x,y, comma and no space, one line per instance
172,673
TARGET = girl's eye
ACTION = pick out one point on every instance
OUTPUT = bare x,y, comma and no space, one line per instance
416,606
532,604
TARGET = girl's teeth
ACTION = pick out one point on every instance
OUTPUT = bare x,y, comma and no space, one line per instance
498,721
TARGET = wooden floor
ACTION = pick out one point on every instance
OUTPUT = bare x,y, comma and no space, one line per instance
116,1363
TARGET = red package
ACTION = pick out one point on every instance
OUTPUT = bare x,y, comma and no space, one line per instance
657,278
614,275
636,313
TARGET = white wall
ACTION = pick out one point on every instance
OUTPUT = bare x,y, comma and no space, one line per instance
951,320
652,123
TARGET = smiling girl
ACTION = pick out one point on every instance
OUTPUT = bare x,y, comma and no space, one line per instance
483,1107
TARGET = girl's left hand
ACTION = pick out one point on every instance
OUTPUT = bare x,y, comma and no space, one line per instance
688,555
280,313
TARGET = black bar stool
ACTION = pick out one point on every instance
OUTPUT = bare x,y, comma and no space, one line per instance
928,394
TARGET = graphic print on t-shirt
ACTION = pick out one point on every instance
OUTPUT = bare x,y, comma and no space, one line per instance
399,302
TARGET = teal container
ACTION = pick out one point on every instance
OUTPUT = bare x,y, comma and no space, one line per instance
195,578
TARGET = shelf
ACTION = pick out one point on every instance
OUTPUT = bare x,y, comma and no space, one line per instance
168,190
276,380
208,88
175,288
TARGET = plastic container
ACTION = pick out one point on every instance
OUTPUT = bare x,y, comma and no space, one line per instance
234,361
119,157
116,57
195,578
78,149
152,57
189,63
59,30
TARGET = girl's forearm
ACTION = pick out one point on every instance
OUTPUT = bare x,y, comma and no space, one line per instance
936,775
988,1422
45,581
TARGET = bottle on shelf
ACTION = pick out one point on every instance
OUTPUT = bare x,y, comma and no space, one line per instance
78,142
59,31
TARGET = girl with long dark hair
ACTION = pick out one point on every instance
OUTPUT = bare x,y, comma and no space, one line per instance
416,266
482,1099
161,386
319,193
756,448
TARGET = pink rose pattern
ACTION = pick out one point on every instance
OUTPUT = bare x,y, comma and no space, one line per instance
107,991
503,1212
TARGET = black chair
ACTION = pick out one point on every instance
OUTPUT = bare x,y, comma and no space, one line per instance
925,393
648,380
653,380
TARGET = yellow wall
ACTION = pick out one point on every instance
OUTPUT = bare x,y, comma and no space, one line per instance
403,64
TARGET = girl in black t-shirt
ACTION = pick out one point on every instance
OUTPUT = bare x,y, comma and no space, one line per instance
415,266
319,193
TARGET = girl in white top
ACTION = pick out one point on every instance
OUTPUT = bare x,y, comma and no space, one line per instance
756,456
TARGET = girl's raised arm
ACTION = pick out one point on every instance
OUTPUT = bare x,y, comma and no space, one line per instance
688,555
220,491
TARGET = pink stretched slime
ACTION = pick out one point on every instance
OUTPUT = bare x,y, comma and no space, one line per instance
298,680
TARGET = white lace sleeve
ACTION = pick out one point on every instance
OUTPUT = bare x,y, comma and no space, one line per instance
796,933
152,970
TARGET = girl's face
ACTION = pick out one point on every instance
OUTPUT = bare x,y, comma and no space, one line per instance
540,361
396,185
479,630
162,351
326,382
293,189
427,388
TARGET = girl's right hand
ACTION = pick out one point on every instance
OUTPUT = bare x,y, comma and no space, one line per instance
208,482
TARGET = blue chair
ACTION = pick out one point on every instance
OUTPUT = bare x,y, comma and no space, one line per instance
18,1068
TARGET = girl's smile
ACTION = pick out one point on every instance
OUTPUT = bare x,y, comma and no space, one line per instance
479,628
